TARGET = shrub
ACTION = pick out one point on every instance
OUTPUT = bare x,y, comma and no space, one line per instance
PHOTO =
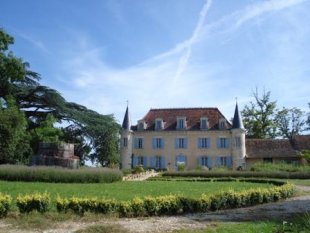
33,202
59,175
172,204
138,169
5,204
125,209
240,174
280,167
137,205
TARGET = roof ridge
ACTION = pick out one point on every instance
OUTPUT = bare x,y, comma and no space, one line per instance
183,108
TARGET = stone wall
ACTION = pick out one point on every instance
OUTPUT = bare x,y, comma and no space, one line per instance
51,154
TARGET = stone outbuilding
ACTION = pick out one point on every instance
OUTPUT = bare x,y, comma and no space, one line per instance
56,154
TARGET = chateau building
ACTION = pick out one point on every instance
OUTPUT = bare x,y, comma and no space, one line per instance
190,137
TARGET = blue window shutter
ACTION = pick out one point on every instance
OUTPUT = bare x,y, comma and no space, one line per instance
209,162
163,162
163,143
145,161
218,143
153,162
136,143
199,143
218,161
135,161
229,161
154,143
176,143
209,142
228,143
185,142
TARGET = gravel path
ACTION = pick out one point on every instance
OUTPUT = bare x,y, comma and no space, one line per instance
282,210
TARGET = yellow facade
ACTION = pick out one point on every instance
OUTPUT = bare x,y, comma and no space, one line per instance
192,152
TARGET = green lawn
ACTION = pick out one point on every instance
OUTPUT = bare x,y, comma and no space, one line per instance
125,190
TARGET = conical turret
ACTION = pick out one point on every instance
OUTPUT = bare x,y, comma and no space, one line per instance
126,122
237,121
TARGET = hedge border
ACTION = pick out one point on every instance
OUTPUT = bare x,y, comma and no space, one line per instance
239,174
153,206
173,204
59,175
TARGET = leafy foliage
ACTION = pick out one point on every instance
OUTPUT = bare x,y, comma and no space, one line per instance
290,122
14,140
258,116
44,106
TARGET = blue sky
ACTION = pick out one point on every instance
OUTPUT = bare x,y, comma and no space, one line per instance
165,53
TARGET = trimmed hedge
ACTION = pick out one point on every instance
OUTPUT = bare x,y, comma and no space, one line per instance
239,174
33,202
171,204
59,175
5,204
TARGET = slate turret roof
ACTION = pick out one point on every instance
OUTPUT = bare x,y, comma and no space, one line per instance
237,121
126,121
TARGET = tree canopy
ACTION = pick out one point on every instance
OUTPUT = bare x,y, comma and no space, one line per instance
263,120
42,106
258,116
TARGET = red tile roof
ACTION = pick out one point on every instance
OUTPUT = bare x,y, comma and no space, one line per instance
277,148
192,116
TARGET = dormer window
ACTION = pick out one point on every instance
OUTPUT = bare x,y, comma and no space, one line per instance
222,124
159,124
141,125
181,123
204,124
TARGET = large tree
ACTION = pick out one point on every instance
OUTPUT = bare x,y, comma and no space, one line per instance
39,102
290,122
14,139
258,116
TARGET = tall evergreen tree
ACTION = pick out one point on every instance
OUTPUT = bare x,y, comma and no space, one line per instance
40,102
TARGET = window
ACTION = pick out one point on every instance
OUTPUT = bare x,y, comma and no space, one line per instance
222,123
238,142
225,161
181,123
140,160
158,124
125,142
203,142
141,125
267,160
204,123
158,143
138,143
158,161
181,143
204,161
223,142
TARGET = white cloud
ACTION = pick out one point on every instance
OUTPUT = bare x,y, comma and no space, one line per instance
168,79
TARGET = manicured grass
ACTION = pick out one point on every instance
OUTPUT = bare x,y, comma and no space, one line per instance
125,190
300,182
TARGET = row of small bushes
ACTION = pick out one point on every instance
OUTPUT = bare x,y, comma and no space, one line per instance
280,166
148,206
59,175
172,204
237,174
225,179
